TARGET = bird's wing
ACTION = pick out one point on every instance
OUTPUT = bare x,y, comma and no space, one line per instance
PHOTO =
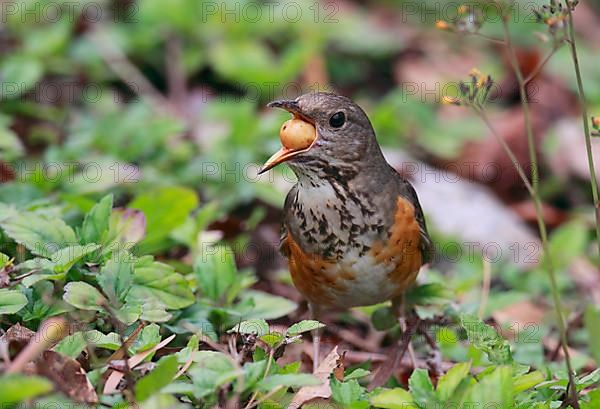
409,193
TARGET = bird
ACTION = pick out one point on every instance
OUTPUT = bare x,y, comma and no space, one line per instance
353,229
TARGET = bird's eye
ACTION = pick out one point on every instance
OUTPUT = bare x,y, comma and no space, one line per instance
337,119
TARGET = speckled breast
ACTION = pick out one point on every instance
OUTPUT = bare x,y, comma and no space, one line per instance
366,269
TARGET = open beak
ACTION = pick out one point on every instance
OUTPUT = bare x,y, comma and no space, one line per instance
285,154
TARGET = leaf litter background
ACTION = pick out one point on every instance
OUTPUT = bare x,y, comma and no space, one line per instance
133,222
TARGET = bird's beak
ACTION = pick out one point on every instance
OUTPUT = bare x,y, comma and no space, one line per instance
285,154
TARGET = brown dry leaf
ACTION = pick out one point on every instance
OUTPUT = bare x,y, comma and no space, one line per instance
308,393
114,377
67,375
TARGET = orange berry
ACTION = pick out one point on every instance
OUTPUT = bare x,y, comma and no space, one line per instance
297,134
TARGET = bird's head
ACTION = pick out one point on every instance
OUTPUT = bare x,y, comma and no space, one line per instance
344,135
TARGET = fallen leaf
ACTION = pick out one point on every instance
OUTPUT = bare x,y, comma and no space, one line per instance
325,369
67,375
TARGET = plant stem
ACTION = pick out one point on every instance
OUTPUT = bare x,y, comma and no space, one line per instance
572,391
586,125
541,65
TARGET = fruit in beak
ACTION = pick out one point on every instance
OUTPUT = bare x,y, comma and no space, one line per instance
296,136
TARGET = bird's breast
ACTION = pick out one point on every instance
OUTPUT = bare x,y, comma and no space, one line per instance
343,252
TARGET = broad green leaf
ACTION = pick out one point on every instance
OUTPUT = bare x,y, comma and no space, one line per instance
591,320
65,258
11,301
148,338
256,326
96,221
421,388
72,345
116,277
210,370
83,296
567,242
450,380
15,388
494,389
129,313
304,326
266,306
155,311
288,380
4,259
346,393
486,339
272,339
40,234
158,378
527,381
396,398
159,282
254,372
215,272
357,374
165,209
20,73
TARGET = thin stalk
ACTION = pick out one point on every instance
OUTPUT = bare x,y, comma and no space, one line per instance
541,65
572,392
586,125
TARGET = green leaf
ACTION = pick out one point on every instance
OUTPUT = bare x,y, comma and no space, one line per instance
165,209
287,380
494,389
96,221
116,277
148,338
40,234
272,339
159,282
160,377
346,393
20,73
486,339
448,382
4,259
567,242
591,319
215,272
83,296
304,326
15,388
357,374
11,301
253,372
256,326
527,381
72,345
210,370
264,305
421,388
396,398
66,258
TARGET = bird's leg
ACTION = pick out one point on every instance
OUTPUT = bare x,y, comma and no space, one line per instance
316,335
399,308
